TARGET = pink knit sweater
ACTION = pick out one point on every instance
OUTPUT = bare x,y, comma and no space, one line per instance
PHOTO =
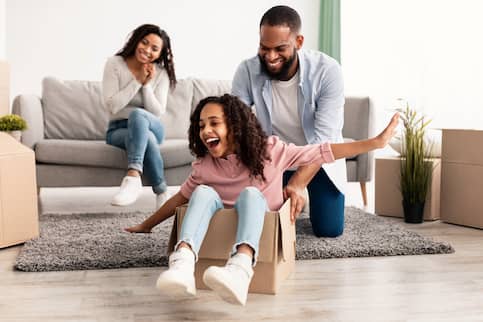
229,176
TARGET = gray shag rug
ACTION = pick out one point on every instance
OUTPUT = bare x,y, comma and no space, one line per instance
97,241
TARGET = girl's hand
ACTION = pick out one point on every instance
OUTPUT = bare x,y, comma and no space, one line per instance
137,229
390,130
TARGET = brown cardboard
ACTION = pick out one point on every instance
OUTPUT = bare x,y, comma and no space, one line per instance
276,258
18,193
388,199
4,88
462,177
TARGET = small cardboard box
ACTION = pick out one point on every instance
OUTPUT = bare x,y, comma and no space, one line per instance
276,259
18,193
462,177
388,199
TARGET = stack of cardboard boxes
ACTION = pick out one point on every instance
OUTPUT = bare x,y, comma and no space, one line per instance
456,191
18,193
462,177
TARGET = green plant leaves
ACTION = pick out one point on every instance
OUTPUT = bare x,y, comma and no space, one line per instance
416,170
12,122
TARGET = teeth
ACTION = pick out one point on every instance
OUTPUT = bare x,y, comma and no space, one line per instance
211,140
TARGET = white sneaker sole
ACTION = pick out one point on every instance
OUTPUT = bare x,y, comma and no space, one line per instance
175,289
216,283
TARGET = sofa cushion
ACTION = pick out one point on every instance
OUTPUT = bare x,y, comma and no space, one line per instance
73,110
178,110
208,87
175,153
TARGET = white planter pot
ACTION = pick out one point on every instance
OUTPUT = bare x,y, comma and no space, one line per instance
17,135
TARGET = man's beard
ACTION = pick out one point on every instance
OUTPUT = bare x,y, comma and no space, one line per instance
284,71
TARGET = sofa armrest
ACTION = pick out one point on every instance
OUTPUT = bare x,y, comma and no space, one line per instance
30,108
359,124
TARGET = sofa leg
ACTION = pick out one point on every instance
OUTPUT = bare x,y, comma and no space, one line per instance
364,193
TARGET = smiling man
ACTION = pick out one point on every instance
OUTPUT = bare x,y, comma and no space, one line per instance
298,95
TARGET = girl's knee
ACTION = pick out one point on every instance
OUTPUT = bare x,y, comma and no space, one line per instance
206,190
251,192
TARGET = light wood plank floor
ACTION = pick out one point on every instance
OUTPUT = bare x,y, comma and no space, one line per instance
400,288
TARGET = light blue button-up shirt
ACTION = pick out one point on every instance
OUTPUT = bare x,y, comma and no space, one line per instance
320,100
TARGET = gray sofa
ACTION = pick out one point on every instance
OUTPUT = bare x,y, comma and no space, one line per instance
67,130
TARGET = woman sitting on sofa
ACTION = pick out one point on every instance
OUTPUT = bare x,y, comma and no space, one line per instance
135,91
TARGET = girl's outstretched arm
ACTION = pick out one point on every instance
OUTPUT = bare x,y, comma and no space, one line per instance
163,213
344,150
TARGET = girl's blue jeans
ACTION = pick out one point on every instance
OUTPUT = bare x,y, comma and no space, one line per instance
205,201
140,135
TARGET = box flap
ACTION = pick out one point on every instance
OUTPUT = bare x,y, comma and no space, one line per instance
287,230
173,237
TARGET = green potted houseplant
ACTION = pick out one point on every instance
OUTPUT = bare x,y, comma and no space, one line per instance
13,125
416,170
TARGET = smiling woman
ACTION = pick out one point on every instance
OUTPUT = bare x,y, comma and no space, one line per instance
135,88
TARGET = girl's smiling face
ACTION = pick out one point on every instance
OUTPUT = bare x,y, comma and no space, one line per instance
214,131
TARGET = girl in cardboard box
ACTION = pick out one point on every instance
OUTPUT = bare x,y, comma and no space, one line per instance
238,166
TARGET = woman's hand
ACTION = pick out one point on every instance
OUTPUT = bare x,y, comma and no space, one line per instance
149,71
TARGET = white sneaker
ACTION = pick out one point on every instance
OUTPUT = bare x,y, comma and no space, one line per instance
231,281
131,188
179,279
161,199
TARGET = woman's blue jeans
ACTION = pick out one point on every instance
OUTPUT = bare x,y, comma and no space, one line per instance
326,205
205,201
140,135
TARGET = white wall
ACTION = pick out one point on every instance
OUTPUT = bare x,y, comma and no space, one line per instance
429,52
3,29
72,39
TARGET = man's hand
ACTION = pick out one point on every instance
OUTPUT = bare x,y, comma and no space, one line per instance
297,200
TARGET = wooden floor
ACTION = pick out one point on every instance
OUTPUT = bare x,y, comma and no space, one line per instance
400,288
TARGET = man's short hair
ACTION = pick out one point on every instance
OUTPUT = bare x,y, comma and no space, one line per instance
282,16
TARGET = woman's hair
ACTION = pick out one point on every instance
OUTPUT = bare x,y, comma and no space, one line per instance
249,139
165,58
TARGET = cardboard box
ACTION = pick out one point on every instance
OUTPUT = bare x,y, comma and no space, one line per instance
4,88
462,177
388,199
276,259
18,193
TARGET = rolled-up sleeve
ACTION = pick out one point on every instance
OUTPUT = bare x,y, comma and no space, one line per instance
287,155
329,112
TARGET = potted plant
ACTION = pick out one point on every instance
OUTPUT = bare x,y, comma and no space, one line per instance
416,170
13,125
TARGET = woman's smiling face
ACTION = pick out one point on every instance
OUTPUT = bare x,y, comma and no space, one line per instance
214,131
149,49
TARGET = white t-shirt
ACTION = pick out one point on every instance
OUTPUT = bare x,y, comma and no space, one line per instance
286,122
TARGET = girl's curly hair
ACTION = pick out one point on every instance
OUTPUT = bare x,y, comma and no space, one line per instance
248,137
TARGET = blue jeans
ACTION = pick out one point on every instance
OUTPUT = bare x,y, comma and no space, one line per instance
205,201
140,135
326,205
